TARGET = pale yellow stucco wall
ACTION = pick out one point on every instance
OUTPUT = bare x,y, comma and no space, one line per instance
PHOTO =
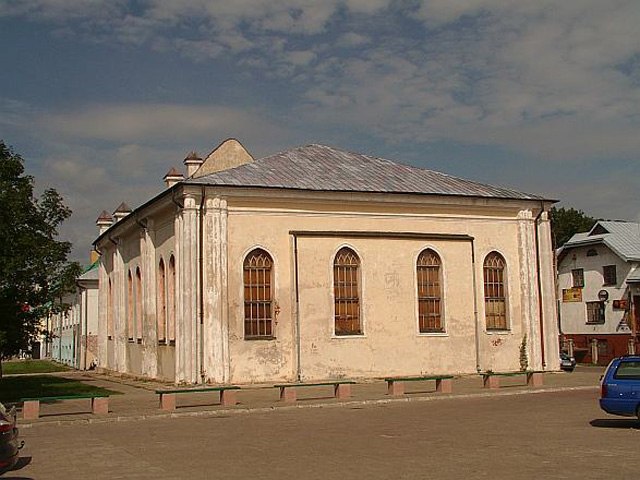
391,344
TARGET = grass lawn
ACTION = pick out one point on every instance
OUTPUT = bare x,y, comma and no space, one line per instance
32,366
12,389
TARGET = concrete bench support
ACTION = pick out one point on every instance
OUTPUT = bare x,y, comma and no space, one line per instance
288,394
444,385
491,381
168,401
342,391
228,398
100,405
31,409
534,379
395,388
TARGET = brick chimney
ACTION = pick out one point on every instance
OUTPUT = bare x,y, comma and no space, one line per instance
192,162
172,177
122,211
104,221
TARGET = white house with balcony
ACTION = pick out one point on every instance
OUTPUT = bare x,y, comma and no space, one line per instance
599,291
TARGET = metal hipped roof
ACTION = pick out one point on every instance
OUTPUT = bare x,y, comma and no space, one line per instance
322,168
623,238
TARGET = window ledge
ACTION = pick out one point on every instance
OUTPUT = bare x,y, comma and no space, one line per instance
251,339
498,332
352,335
595,323
433,334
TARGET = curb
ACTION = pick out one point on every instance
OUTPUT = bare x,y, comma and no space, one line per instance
350,403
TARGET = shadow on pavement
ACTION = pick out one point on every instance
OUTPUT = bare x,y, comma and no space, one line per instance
615,423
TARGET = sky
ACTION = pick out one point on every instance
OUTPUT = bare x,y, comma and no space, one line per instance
102,97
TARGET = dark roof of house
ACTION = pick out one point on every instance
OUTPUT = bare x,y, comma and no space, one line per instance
322,168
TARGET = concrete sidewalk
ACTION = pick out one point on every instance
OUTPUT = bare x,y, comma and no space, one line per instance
138,400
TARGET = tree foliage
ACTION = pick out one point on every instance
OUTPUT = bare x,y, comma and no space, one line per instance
566,222
34,270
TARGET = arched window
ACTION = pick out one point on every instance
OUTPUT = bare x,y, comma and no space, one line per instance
171,294
346,280
130,324
495,304
162,304
429,292
110,310
258,296
139,305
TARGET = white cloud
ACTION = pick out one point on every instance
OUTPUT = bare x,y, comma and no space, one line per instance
156,123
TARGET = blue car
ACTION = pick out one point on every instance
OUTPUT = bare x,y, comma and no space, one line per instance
620,387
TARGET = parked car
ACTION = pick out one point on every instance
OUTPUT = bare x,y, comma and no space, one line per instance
620,387
567,363
9,445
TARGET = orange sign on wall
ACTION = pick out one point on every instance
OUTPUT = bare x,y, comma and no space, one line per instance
571,294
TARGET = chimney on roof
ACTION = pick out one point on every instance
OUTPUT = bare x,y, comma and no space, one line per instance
104,221
193,162
172,177
122,211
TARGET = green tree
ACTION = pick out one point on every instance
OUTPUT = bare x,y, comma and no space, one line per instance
566,222
35,273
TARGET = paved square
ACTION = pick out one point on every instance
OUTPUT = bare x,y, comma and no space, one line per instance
552,435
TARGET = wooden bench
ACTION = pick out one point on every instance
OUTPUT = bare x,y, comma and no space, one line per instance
31,406
395,385
341,389
492,379
227,395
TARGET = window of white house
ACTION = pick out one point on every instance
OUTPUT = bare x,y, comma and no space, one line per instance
346,279
592,252
595,312
578,277
258,295
609,274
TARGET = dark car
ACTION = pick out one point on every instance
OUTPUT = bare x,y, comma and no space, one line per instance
620,387
567,363
9,445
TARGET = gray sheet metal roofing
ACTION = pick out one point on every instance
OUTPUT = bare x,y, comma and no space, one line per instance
322,168
623,238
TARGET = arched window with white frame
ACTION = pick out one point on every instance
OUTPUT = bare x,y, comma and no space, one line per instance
346,289
429,279
258,294
495,300
171,300
139,294
162,303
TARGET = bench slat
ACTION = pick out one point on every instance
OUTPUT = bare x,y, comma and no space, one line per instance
288,385
199,390
416,379
62,397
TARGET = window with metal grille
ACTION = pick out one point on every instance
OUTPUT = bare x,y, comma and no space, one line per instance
495,304
110,310
429,292
346,279
130,324
171,300
162,304
258,297
578,277
595,312
609,274
138,305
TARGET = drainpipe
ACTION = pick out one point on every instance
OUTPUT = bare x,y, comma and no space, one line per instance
539,278
201,280
475,304
295,263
